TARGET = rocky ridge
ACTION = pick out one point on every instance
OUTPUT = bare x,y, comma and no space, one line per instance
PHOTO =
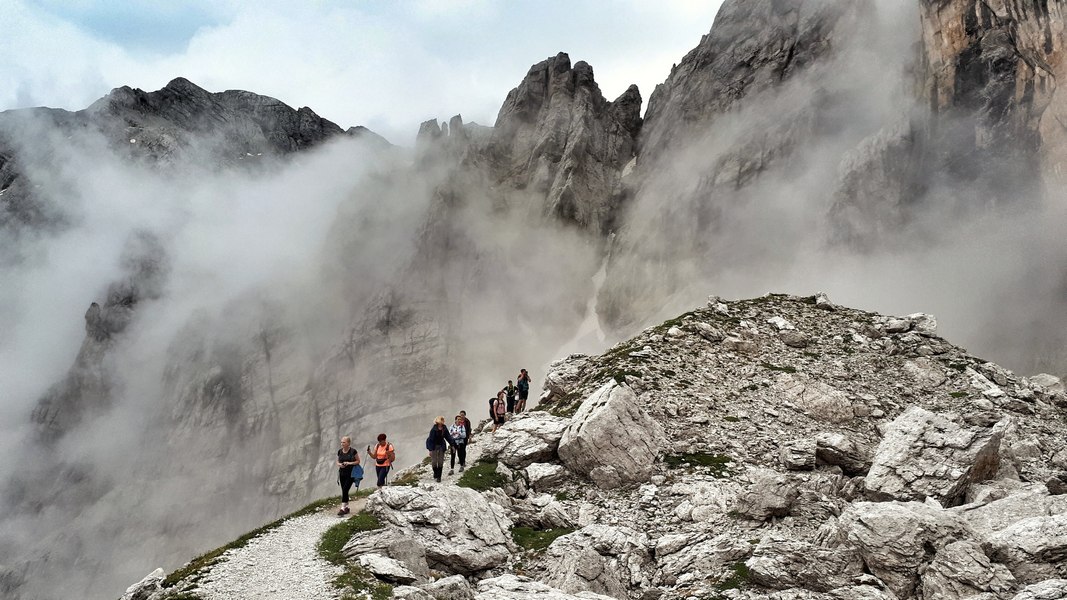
808,451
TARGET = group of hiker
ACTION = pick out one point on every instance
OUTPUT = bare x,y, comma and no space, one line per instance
508,401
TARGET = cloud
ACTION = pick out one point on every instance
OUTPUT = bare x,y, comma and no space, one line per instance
387,66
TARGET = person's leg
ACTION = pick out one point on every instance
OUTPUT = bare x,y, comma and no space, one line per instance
381,471
438,461
461,449
451,461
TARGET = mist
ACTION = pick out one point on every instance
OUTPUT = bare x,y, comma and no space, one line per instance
352,290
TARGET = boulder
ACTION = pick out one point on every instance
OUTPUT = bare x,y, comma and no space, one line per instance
555,515
392,543
611,439
780,324
1051,589
407,592
895,539
1048,384
794,339
770,495
145,588
455,587
817,400
387,569
462,532
542,476
563,376
962,570
780,563
528,438
926,373
740,345
925,455
1033,549
706,331
798,455
512,587
680,556
614,561
999,514
839,450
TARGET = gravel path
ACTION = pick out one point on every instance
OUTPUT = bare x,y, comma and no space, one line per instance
282,564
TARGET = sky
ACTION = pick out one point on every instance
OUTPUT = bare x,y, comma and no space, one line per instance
387,65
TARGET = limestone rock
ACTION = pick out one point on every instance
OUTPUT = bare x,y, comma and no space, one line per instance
998,514
698,554
794,339
544,476
1050,589
1034,548
455,587
614,561
463,533
528,438
842,451
612,439
512,587
818,400
706,331
771,495
387,569
145,588
798,455
407,592
785,563
392,543
925,455
895,539
562,376
557,135
962,570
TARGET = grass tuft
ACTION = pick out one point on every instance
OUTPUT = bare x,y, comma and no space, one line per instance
335,538
716,464
537,540
482,476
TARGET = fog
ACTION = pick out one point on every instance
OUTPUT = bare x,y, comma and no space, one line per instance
350,290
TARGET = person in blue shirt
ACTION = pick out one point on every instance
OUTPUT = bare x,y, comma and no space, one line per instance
436,443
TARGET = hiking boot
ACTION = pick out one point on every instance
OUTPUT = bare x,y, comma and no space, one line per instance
461,468
452,472
347,510
341,513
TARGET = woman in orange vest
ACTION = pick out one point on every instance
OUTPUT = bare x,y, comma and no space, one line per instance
383,456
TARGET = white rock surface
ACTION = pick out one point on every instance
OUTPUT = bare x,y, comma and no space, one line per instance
387,569
544,476
512,587
611,439
925,455
782,563
526,439
462,531
614,561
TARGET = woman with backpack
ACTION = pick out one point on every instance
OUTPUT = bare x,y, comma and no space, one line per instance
497,410
459,433
349,471
383,456
436,443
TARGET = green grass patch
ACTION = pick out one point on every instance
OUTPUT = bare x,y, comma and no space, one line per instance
716,464
782,368
335,538
198,564
811,354
482,476
537,539
958,394
737,579
731,418
357,583
563,496
675,322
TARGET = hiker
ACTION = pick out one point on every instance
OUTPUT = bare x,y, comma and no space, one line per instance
435,444
510,391
467,424
383,456
349,471
496,410
523,383
458,430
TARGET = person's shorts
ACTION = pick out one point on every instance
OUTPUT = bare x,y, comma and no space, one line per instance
524,394
498,419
